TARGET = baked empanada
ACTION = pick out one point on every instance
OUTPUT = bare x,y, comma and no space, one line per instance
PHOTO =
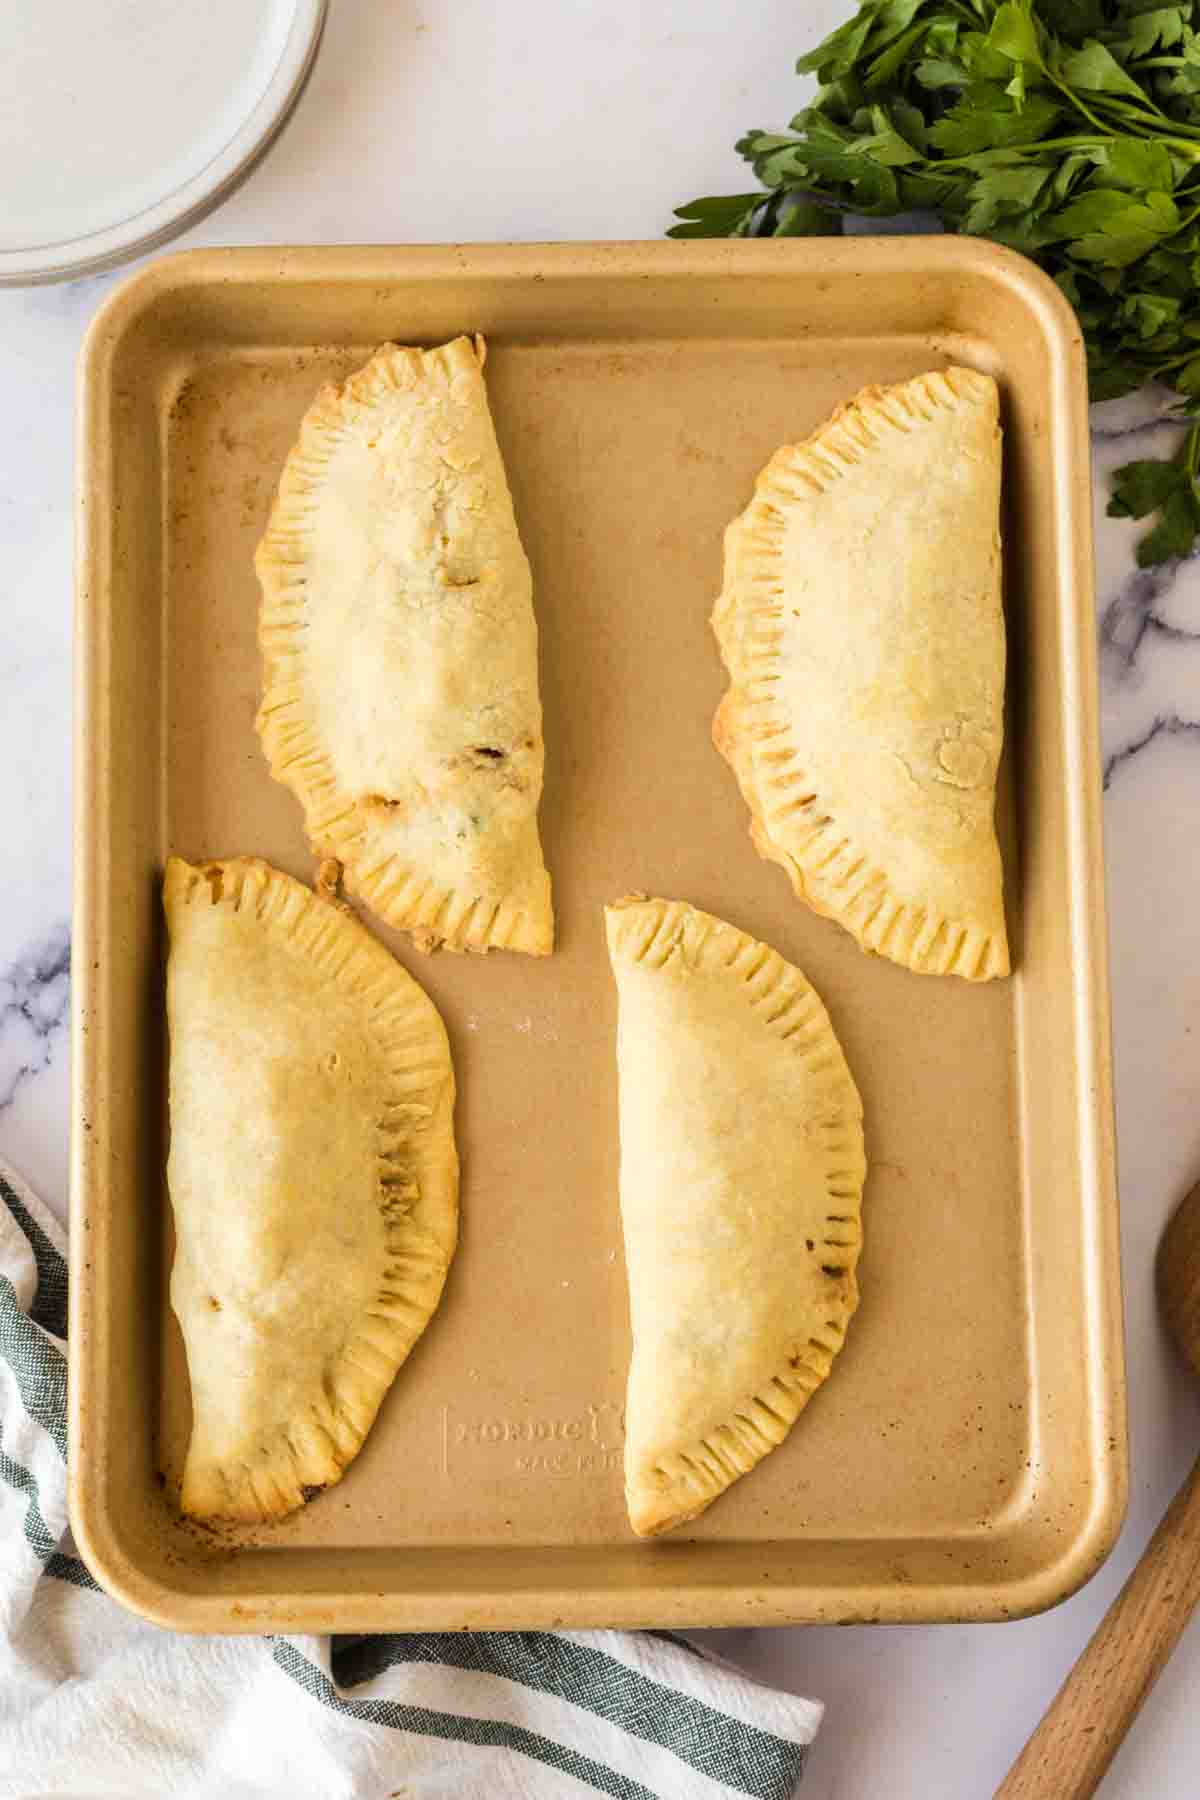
400,690
742,1171
313,1179
860,620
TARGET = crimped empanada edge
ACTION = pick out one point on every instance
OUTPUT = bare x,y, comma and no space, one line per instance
437,916
679,1485
788,824
315,1451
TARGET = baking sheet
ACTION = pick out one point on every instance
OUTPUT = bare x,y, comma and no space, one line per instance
966,1459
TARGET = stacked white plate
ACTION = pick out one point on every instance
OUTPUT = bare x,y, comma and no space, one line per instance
122,122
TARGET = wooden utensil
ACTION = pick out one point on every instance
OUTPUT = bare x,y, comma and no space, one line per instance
1068,1754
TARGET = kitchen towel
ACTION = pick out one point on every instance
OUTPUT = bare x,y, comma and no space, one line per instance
95,1702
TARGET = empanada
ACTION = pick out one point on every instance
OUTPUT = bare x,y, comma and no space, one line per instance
742,1171
400,690
313,1178
860,620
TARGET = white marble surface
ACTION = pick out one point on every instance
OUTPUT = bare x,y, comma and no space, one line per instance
467,120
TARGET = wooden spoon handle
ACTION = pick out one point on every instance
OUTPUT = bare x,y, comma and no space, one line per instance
1078,1737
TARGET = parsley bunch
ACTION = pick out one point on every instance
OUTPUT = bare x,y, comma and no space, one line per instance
1068,129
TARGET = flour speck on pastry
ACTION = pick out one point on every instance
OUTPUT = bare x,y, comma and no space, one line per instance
313,1179
742,1170
861,623
400,693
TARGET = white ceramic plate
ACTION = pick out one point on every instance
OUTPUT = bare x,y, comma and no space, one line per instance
123,123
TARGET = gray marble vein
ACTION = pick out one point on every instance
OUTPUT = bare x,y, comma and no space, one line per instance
1148,623
1136,608
1168,725
34,1003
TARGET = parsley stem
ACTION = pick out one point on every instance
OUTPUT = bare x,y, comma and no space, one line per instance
1082,140
909,79
1158,368
1128,112
1077,103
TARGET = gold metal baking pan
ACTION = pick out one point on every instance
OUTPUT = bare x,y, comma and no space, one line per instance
967,1458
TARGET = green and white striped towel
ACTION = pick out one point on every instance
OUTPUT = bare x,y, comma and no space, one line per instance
93,1702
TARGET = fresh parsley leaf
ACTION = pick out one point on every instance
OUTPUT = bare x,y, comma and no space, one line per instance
986,116
1100,209
910,121
939,72
1001,193
1073,20
1140,488
943,35
1014,32
1158,27
1069,129
1133,9
1064,177
718,206
801,217
1183,82
985,63
889,60
1111,227
886,145
1175,532
1169,489
840,50
1096,70
1153,314
1135,163
1015,89
724,215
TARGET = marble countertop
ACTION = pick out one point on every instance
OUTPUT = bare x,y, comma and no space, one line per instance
470,121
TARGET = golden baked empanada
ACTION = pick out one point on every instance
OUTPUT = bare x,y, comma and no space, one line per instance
313,1179
400,692
742,1171
860,620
